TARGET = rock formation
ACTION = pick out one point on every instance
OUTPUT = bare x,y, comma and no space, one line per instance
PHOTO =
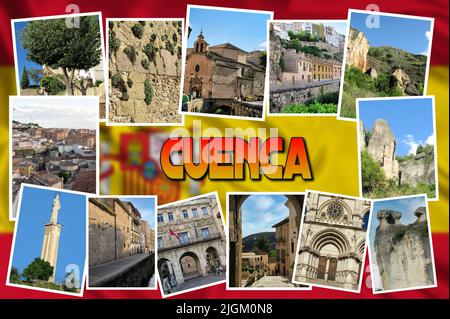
275,55
362,135
357,49
372,72
145,71
417,170
403,252
403,80
381,148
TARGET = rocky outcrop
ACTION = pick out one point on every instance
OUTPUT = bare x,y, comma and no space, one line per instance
381,148
417,170
144,71
403,252
362,135
275,71
403,80
357,49
372,72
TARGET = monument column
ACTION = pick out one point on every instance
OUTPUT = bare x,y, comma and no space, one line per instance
52,233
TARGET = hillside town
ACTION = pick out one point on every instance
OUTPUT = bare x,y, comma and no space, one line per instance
306,66
53,157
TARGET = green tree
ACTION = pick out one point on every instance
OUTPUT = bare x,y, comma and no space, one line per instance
373,177
52,85
263,58
262,244
38,269
296,45
14,275
54,44
25,82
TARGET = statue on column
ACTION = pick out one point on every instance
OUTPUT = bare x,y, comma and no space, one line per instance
55,210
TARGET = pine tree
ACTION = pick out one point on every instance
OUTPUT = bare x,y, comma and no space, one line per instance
25,82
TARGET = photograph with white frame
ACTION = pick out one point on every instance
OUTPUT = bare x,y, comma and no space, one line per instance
121,242
237,100
331,249
144,60
399,147
39,144
401,223
43,219
86,79
298,85
381,74
191,244
274,266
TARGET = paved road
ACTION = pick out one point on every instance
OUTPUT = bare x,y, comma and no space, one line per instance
197,282
273,281
113,268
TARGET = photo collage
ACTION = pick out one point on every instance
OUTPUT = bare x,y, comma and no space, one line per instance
73,234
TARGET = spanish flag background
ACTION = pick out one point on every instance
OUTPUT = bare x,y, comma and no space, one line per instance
331,143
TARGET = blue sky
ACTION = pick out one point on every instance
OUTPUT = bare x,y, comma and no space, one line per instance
242,29
22,53
407,206
403,33
146,207
411,120
261,212
35,212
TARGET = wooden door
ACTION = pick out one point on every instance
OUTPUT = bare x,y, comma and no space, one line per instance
322,267
332,269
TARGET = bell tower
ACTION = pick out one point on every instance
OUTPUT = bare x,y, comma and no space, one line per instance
200,44
52,233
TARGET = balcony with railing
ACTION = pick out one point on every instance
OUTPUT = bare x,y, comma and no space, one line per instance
184,242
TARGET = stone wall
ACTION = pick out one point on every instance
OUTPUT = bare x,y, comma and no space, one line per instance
137,274
140,72
101,235
279,98
233,107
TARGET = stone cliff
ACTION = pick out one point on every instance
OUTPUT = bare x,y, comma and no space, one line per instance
381,147
275,55
418,169
357,49
145,71
403,252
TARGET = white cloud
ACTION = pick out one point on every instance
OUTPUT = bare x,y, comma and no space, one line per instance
411,143
428,35
263,45
430,140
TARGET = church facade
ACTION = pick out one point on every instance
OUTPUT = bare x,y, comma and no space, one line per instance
332,241
223,71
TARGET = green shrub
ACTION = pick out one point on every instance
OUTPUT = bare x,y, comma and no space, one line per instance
97,83
371,173
118,82
185,98
130,51
315,107
150,51
170,47
114,43
130,83
52,85
138,30
148,90
153,37
145,63
142,23
174,38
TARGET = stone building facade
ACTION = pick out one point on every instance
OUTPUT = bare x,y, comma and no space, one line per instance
191,240
115,231
301,68
223,71
333,241
145,71
289,243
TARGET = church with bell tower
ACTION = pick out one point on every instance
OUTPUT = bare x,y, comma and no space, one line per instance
52,233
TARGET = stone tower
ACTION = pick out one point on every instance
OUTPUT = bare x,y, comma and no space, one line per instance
52,233
200,44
